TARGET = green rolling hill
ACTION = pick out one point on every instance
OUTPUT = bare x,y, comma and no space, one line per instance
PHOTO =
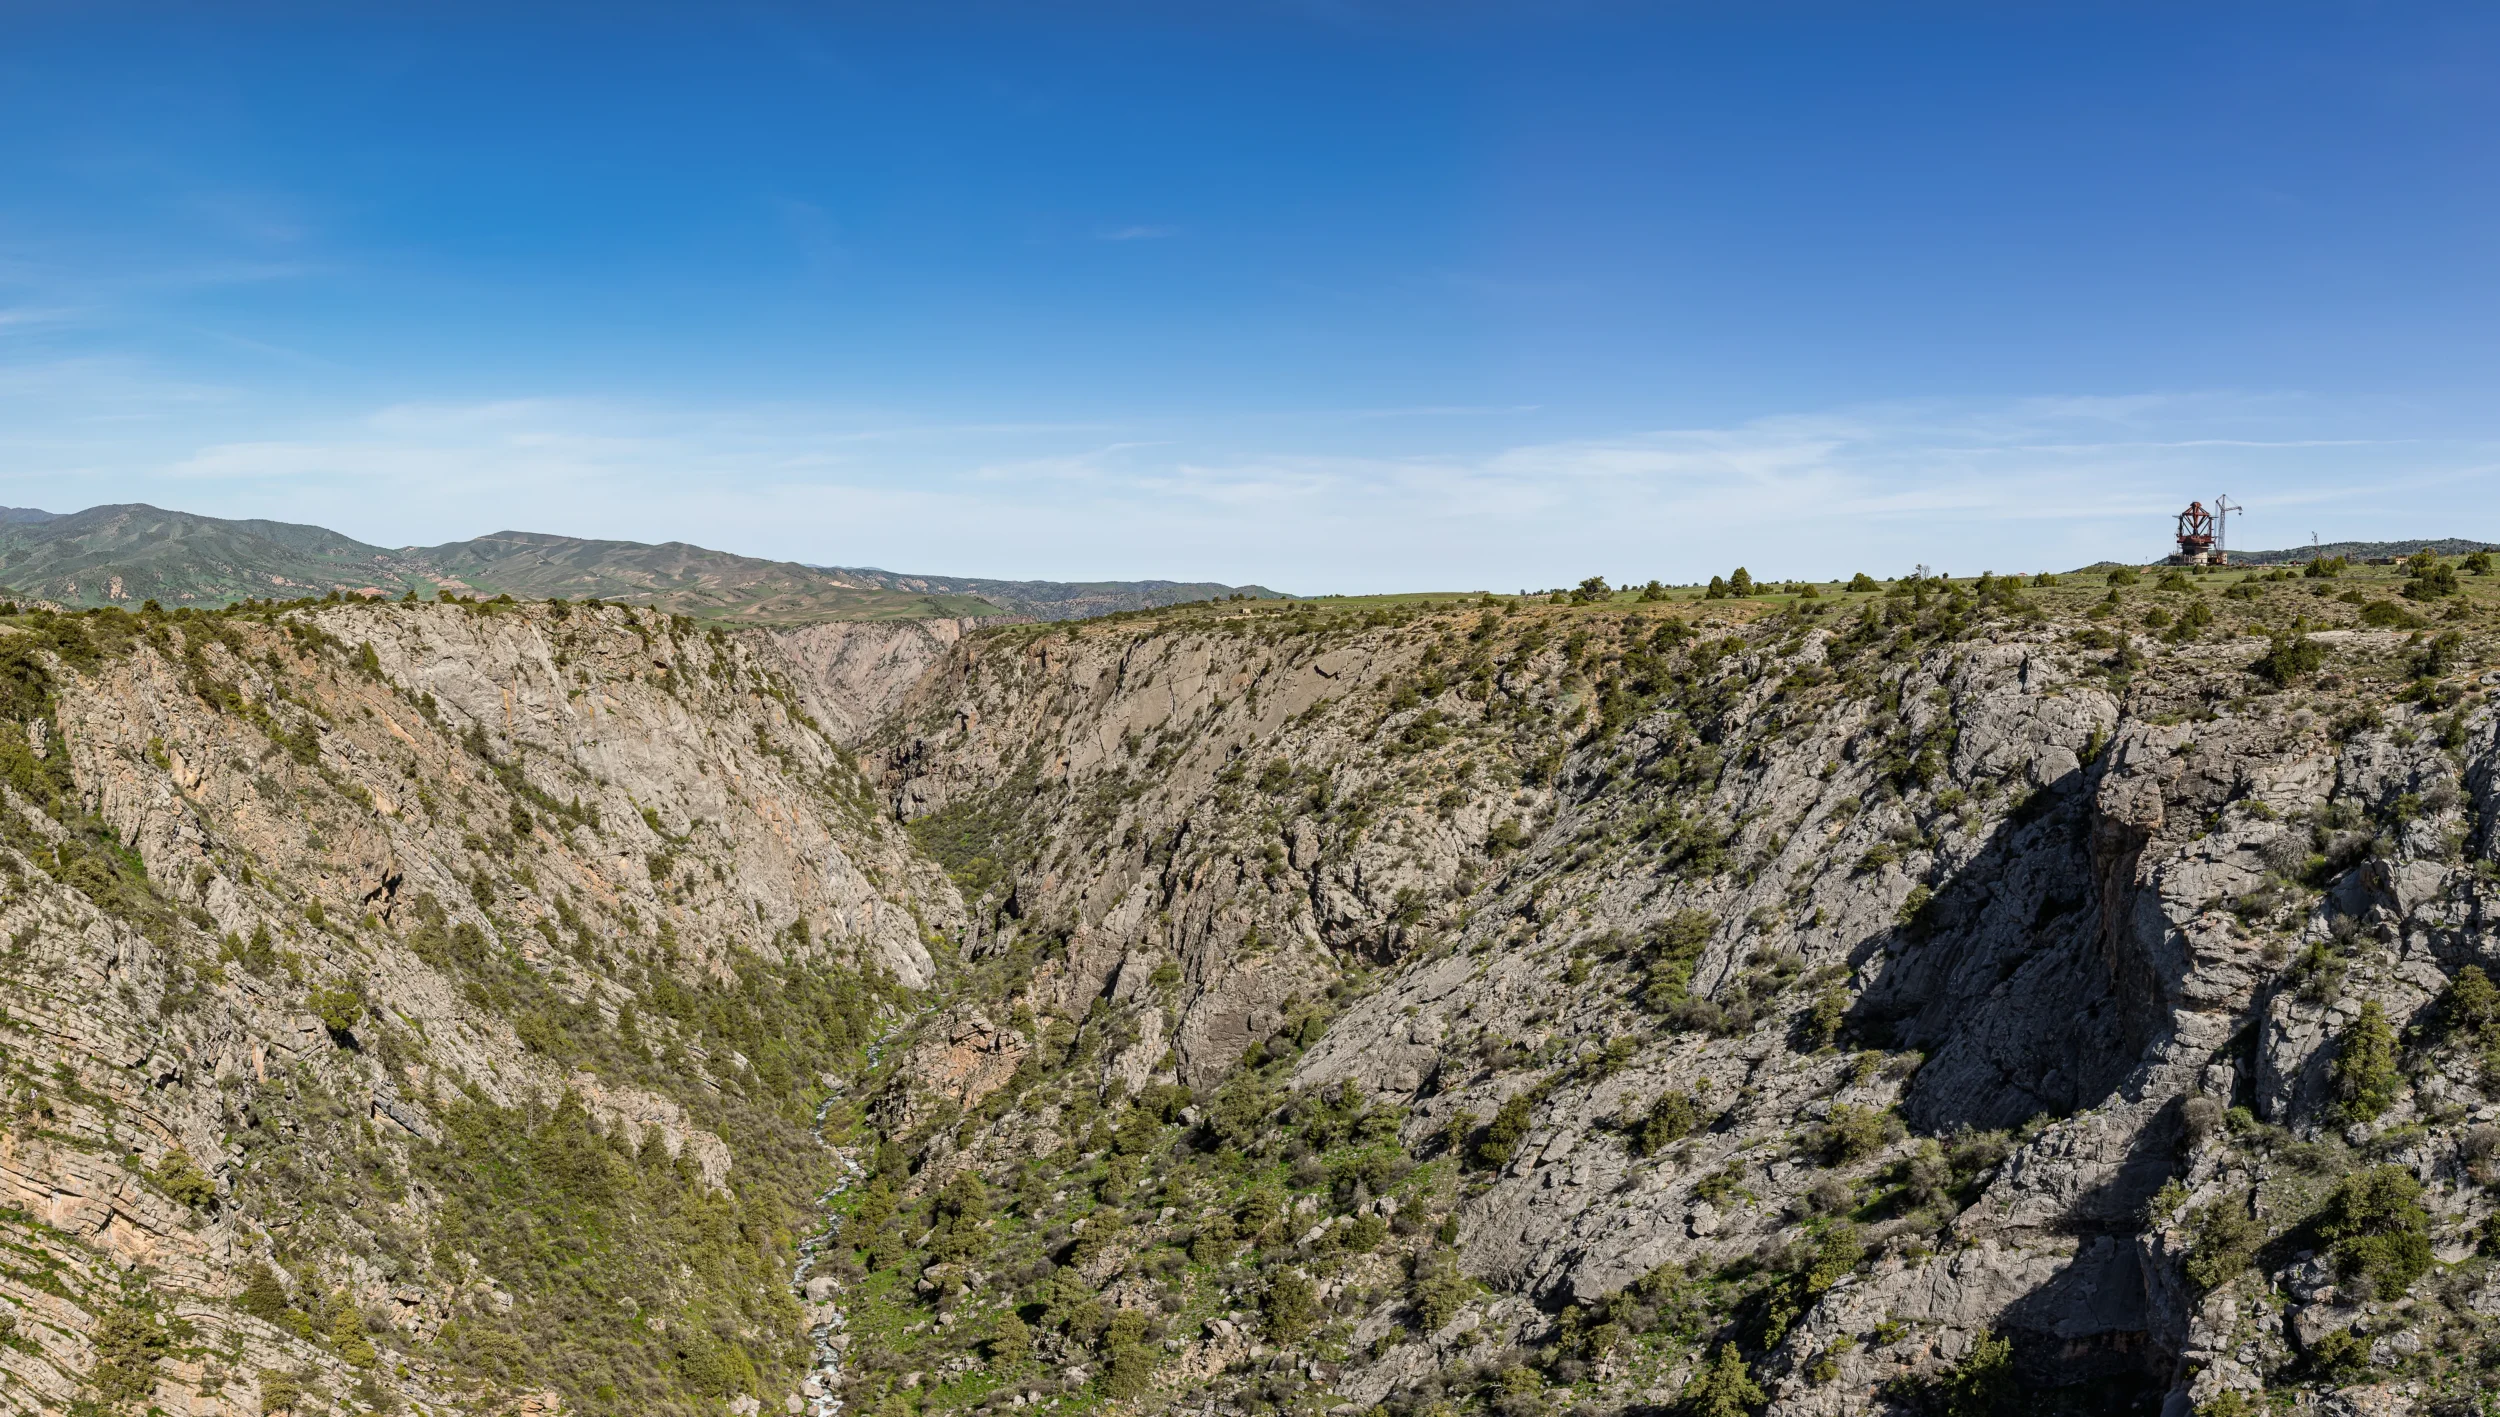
127,554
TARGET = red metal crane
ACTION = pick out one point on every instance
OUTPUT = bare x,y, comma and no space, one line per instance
2196,535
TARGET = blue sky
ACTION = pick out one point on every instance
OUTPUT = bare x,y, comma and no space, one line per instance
1332,296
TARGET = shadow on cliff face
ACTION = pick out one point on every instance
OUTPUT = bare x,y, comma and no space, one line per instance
2022,983
2085,1332
2006,981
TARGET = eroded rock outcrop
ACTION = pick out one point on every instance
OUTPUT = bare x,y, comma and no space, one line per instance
1862,999
368,962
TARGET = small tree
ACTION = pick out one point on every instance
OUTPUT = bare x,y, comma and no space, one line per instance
339,1006
2287,659
264,1295
1011,1338
1852,1134
1741,583
1501,1136
2376,1229
1128,1362
2439,656
1670,1119
282,1391
1983,1382
2226,1238
1826,1017
1289,1306
179,1177
1722,1387
1436,1290
128,1342
2471,1006
2366,1078
347,1334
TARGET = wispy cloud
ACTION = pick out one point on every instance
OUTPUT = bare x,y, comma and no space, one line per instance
1136,233
28,316
2013,485
1446,410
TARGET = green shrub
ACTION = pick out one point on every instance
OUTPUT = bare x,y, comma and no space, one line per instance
1128,1368
263,1296
2470,1006
2340,1356
1010,1338
713,1367
347,1336
1984,1381
962,1210
2430,578
1288,1306
2225,1240
128,1342
1824,1020
1214,1241
2376,1229
1670,949
2367,1080
1853,1133
1365,1234
2388,615
340,1006
280,1391
1502,1135
1721,1387
1436,1290
180,1178
2123,576
1670,1119
2439,656
2287,659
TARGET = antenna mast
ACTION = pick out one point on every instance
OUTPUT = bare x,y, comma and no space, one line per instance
2223,508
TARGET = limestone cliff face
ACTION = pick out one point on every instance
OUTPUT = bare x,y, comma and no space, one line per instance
296,901
1899,991
1243,1008
1208,801
853,675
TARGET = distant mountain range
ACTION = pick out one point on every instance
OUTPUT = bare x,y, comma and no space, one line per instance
1052,600
2361,551
131,553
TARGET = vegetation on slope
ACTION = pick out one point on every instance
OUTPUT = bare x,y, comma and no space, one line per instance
1194,1207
